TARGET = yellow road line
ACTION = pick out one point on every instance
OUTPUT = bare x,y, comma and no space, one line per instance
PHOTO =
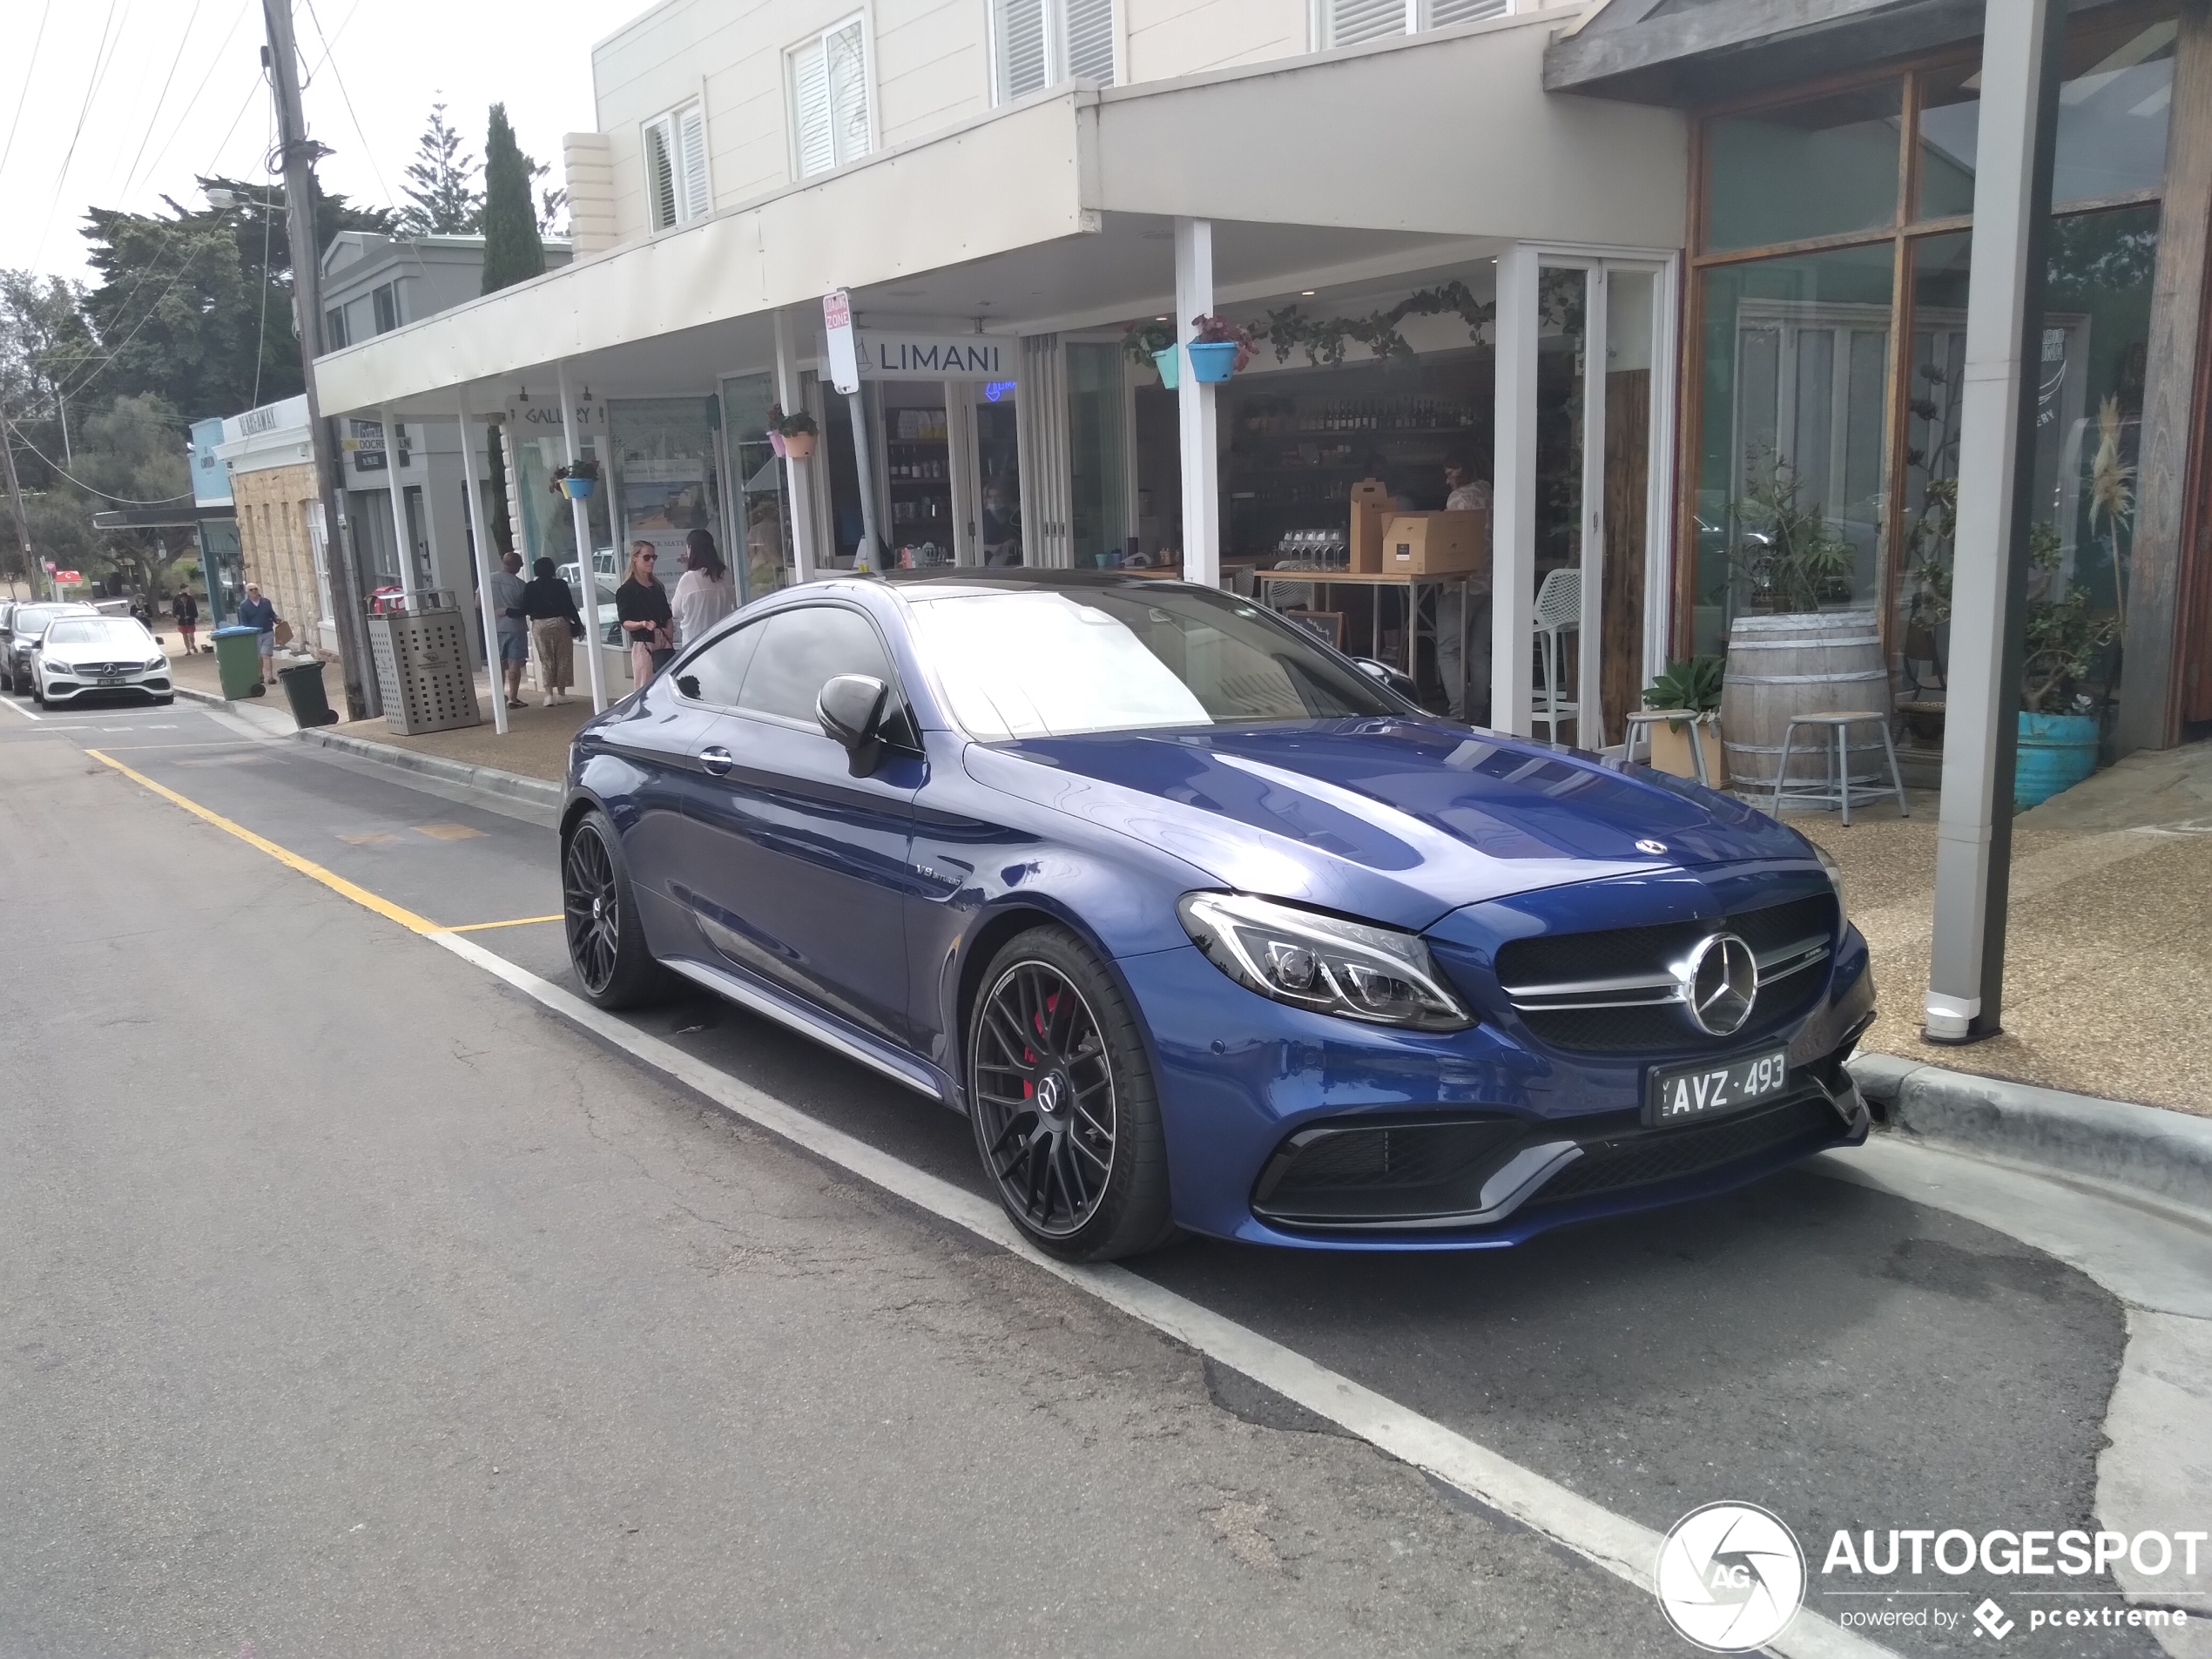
479,927
337,884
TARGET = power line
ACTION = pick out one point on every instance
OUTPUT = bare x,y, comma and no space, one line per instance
31,72
91,490
268,222
131,176
101,58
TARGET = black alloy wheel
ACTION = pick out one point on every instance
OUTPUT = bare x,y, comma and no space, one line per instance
1065,1114
599,914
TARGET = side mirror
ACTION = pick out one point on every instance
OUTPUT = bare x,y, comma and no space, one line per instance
851,708
1389,675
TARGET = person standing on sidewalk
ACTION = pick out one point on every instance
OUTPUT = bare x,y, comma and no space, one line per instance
706,592
553,623
260,615
507,585
641,604
184,610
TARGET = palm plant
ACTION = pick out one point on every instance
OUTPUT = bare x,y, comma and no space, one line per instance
2112,498
1789,556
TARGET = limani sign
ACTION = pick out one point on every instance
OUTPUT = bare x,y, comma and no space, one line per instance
885,356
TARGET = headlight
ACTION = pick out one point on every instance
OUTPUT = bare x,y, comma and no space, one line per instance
155,664
1320,962
1836,881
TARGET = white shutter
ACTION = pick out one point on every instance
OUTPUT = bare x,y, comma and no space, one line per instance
811,108
846,57
1443,13
690,150
1023,66
1091,40
660,176
1352,21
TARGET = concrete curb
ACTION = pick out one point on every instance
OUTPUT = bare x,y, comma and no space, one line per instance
537,792
2146,1149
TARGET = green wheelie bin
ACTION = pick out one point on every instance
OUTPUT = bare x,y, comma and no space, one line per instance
303,690
238,661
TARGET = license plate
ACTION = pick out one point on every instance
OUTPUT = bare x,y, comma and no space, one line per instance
1678,1094
112,679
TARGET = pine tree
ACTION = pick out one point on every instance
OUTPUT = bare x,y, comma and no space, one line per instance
513,251
442,199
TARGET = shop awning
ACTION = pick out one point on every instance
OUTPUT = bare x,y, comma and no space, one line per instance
1057,212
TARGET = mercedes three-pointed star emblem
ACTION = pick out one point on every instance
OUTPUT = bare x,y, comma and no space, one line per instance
1719,983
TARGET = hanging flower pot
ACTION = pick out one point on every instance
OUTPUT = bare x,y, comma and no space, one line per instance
1212,360
576,480
1168,362
776,443
799,445
579,488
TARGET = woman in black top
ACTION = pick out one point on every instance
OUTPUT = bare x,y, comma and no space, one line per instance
641,604
551,609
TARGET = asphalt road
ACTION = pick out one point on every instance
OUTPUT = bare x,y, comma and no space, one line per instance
355,1304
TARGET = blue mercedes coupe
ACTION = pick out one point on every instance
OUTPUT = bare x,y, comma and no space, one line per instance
1206,926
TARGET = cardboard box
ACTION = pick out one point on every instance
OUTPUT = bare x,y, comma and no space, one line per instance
1435,544
1370,507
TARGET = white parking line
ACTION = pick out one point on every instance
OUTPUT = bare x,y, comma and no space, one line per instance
11,703
1624,1548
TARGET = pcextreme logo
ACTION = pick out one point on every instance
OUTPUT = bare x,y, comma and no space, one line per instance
1730,1577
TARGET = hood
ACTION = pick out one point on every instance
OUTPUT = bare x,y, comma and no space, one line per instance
1398,819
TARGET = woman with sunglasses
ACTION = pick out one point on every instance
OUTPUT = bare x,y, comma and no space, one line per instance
641,605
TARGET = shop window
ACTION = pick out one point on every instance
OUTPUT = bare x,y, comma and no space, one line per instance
1823,166
333,328
1346,23
676,188
829,99
2113,106
1036,44
666,482
385,303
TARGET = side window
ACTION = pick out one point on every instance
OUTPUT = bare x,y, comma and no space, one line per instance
802,648
714,675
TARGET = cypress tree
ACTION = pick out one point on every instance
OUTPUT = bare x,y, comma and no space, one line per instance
513,251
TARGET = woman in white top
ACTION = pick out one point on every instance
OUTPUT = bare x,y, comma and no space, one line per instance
706,592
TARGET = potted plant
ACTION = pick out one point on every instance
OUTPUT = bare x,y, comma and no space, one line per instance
577,480
792,435
1785,552
2064,638
1694,686
1219,348
1153,343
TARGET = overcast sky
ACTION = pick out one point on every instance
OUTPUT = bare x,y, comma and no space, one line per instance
128,100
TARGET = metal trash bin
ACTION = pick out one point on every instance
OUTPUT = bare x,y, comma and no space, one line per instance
238,661
423,664
303,690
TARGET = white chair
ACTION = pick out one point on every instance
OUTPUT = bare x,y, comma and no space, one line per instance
1559,610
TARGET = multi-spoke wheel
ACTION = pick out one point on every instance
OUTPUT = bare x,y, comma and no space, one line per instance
606,946
1063,1102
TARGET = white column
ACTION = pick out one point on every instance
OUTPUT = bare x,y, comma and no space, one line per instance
580,515
960,467
1589,720
399,535
872,552
1973,836
1512,495
482,541
798,475
1195,404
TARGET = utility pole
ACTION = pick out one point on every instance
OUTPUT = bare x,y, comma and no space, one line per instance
300,152
15,497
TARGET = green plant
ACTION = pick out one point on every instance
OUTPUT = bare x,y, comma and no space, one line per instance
1694,685
797,424
585,467
1324,339
1146,340
1788,555
2063,636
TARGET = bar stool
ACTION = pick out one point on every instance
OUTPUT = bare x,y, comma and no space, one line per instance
1640,722
1836,789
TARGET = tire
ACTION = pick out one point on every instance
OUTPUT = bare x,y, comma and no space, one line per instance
599,915
1085,1179
36,695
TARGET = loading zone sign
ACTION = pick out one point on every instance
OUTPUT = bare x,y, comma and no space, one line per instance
844,357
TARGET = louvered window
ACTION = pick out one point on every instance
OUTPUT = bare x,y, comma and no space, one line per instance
676,187
1346,23
1036,44
829,99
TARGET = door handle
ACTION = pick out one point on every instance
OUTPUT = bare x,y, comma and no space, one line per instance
717,759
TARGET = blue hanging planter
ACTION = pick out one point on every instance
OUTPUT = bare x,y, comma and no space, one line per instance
579,488
1170,363
1212,360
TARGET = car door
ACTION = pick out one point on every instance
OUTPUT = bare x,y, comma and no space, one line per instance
798,871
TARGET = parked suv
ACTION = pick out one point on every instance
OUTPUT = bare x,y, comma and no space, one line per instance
27,621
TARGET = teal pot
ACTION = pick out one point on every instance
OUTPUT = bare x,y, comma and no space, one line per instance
2056,752
579,488
1212,360
1168,362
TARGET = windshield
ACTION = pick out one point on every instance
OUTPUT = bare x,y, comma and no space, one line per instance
32,619
1053,662
118,633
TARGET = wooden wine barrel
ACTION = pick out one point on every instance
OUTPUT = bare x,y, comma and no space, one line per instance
1805,663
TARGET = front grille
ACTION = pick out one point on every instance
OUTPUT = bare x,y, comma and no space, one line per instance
1643,1157
1370,1172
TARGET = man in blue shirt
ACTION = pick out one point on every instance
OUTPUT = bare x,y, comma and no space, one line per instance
259,614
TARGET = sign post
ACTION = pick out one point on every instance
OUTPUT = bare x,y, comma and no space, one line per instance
844,357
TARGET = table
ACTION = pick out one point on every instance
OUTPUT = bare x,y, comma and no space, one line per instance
1423,595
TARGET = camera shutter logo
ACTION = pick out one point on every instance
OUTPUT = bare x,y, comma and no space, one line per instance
1730,1577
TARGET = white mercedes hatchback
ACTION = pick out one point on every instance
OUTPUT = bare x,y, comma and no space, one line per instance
80,657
